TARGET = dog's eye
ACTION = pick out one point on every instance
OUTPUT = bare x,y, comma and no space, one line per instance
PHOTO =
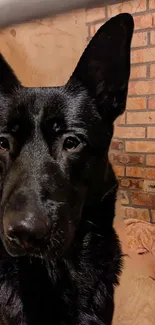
71,143
4,144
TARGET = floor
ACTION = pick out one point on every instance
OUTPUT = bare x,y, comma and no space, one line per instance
135,297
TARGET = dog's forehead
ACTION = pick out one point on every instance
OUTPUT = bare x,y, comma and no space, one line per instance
50,103
33,106
39,101
29,108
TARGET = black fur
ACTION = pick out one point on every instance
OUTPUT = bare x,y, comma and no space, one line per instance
60,257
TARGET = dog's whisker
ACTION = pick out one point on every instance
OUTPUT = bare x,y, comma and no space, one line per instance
56,240
91,223
48,268
41,257
109,191
30,259
96,234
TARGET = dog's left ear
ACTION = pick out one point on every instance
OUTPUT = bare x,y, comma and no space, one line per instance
104,68
8,80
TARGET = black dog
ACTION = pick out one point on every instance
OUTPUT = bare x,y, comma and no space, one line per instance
60,257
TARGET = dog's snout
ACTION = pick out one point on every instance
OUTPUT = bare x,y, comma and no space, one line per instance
25,232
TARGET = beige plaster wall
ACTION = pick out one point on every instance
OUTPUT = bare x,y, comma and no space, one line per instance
44,53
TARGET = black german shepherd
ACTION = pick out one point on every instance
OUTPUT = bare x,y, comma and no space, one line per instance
59,255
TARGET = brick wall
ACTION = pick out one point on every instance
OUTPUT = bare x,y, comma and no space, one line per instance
133,146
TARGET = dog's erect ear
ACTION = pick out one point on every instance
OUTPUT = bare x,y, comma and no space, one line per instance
104,68
8,80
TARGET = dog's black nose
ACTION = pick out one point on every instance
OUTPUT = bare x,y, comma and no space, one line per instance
26,232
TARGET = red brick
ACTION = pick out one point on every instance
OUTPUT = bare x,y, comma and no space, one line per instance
143,199
136,213
145,21
152,37
143,55
140,146
150,160
131,183
119,170
139,39
138,72
140,172
124,182
141,118
120,119
135,103
117,145
151,4
152,70
141,87
124,158
151,102
127,6
94,28
153,215
149,186
124,197
137,184
151,132
95,14
129,132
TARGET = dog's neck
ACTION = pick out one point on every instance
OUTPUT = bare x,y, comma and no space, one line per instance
100,204
98,212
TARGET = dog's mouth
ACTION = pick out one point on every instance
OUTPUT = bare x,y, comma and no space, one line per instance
35,231
52,246
13,248
47,248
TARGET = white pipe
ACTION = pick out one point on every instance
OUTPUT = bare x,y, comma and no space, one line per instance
19,11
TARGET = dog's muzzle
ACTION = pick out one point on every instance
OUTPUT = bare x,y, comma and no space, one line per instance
24,231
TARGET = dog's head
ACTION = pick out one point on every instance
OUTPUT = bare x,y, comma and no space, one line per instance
54,143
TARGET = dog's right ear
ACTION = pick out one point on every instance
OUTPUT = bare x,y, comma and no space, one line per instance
8,80
104,67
